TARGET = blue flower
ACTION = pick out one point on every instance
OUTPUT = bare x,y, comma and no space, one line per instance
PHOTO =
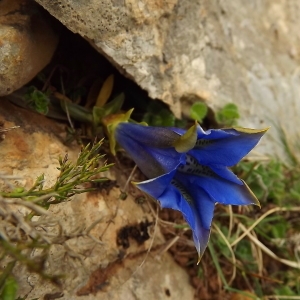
188,170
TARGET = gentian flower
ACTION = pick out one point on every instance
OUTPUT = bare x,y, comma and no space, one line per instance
188,170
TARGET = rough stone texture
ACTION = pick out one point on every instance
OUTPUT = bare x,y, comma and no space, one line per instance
93,269
27,43
246,52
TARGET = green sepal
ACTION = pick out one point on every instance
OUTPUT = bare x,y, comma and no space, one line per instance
187,141
111,107
111,122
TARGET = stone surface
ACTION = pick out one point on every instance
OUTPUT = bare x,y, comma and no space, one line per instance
94,264
27,43
246,52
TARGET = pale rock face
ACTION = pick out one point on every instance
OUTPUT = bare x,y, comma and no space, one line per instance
245,52
27,43
94,265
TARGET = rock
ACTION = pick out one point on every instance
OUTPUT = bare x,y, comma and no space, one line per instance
184,51
27,43
108,261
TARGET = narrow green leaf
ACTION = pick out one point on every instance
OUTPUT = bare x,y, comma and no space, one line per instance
105,91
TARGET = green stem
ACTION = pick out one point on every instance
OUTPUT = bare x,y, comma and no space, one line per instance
217,265
7,272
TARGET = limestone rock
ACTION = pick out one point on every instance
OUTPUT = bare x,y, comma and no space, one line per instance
246,52
104,262
27,43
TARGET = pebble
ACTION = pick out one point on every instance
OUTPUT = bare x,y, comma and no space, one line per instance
27,43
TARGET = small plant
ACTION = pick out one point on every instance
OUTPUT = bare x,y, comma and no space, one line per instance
225,117
199,111
70,180
37,100
19,236
158,115
228,115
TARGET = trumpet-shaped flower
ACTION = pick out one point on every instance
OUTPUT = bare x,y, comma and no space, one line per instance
188,170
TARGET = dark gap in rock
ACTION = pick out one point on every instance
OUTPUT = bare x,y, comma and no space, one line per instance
76,66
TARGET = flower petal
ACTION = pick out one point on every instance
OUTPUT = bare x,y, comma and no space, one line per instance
226,174
168,158
196,207
221,190
153,162
225,147
204,207
228,193
141,156
161,137
156,186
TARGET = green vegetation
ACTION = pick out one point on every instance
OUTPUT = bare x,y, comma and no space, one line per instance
158,115
228,115
199,111
37,100
252,241
19,239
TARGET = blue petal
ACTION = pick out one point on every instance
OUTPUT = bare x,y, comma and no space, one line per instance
171,198
152,162
204,207
208,134
198,212
226,174
161,137
168,158
141,156
221,190
213,134
224,147
156,186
